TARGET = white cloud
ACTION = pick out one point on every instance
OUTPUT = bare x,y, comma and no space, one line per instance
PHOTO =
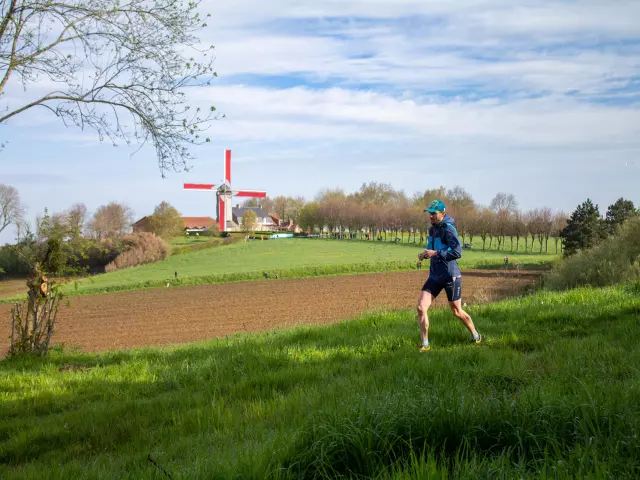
278,114
473,45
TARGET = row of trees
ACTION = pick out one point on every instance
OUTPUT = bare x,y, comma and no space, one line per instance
111,220
377,210
108,221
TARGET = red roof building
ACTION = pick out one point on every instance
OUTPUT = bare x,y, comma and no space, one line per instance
198,222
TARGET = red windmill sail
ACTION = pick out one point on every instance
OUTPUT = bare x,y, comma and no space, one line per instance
224,192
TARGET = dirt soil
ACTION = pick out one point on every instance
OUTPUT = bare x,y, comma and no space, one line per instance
185,314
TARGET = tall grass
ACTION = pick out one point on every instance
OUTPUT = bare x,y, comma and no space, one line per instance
615,260
553,393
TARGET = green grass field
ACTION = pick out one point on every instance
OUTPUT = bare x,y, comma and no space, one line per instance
553,393
289,257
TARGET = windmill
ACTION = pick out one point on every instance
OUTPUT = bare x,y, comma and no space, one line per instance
224,193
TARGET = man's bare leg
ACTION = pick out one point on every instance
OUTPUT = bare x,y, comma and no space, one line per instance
465,318
424,302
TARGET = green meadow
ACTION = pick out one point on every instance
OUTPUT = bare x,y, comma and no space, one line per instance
554,392
287,257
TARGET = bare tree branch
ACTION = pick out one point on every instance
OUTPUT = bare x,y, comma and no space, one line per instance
109,57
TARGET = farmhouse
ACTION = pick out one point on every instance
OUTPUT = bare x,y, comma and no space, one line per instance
191,224
281,226
264,220
198,224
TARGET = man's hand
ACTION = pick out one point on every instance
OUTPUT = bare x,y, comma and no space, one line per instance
427,254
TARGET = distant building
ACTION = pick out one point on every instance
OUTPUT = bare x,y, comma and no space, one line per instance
281,226
199,224
142,225
289,227
264,220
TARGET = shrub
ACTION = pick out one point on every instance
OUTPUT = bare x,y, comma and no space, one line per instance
142,248
94,255
103,252
614,261
11,264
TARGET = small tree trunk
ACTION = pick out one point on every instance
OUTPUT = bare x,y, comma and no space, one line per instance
33,323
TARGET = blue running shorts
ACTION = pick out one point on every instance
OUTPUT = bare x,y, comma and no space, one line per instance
452,286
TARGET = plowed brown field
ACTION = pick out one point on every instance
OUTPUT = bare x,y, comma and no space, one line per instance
186,314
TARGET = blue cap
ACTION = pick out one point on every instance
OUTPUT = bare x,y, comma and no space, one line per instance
436,206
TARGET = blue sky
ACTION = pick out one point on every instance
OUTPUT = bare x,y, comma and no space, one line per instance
539,101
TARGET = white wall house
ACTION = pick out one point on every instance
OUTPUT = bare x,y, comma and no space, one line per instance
265,222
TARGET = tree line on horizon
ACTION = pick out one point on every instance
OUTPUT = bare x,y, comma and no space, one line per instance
376,209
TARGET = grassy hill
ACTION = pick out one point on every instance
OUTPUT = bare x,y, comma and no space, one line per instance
554,392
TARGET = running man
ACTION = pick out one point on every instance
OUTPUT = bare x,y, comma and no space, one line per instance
443,249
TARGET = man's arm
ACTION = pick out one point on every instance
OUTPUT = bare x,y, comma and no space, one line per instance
454,250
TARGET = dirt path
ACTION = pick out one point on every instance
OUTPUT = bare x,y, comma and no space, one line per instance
187,314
